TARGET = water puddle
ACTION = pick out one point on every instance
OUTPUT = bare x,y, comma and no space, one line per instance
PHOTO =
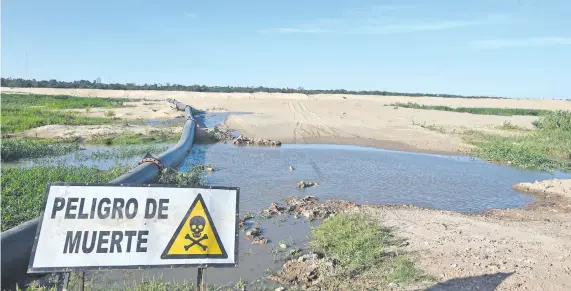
364,175
213,119
255,261
165,122
99,156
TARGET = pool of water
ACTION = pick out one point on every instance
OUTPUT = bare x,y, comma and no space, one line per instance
74,159
364,175
213,119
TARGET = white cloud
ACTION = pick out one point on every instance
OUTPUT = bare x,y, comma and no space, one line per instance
190,15
380,20
521,42
294,30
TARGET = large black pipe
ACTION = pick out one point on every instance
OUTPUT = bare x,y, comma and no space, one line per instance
17,242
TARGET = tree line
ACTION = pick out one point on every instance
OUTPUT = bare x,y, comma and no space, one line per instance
86,84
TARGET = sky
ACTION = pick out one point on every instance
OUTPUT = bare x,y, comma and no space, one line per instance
511,48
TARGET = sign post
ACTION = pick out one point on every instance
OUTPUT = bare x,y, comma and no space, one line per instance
98,226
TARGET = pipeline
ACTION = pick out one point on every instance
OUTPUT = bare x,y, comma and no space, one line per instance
17,242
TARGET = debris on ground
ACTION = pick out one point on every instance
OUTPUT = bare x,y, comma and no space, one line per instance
253,235
304,184
242,140
260,241
242,221
305,271
274,209
308,207
212,135
254,232
291,169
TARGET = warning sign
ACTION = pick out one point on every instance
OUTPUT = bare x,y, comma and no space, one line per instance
87,226
196,236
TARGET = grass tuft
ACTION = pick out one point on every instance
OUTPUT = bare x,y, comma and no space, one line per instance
131,138
547,148
22,112
23,189
475,110
14,149
366,253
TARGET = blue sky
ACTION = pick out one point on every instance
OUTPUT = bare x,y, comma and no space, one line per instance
514,48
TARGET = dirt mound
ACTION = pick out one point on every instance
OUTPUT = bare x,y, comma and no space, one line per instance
308,207
305,271
561,187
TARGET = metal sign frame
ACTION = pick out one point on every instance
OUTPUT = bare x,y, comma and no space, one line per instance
166,266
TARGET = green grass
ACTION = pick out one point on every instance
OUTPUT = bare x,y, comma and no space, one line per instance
364,251
476,110
14,149
22,112
511,127
120,153
131,138
23,189
60,101
546,148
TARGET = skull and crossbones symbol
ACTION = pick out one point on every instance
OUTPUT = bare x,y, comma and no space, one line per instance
197,224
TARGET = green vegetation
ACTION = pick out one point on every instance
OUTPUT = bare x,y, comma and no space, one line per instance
119,153
59,101
132,138
22,112
109,113
546,148
509,126
14,149
148,284
25,83
23,189
365,253
476,110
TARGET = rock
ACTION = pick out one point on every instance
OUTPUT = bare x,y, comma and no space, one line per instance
254,232
393,285
274,209
242,140
283,246
291,169
303,184
280,289
210,169
260,241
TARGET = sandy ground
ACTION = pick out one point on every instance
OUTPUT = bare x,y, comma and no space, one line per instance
340,119
480,252
560,187
513,249
86,132
137,110
517,249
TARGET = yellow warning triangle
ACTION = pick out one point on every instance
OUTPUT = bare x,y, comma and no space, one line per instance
196,236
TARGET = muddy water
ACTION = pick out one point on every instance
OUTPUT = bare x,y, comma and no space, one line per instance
255,261
364,175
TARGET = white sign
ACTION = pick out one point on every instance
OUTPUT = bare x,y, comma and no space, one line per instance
89,226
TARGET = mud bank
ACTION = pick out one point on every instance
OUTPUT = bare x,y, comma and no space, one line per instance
496,250
561,187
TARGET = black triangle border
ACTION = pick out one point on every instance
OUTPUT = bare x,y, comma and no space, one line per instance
224,255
